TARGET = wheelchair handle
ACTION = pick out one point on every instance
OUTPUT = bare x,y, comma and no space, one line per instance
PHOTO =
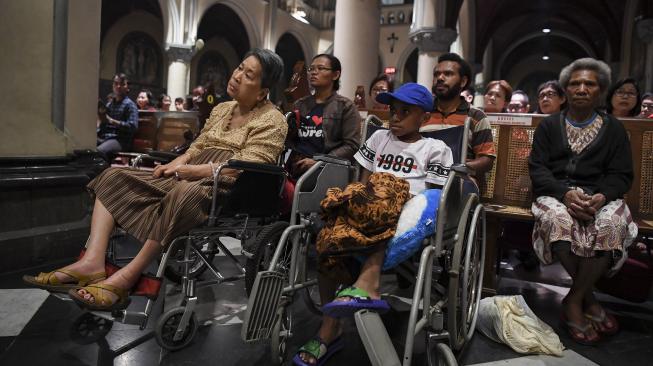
331,159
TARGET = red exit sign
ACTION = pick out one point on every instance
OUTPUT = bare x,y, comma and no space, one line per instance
390,70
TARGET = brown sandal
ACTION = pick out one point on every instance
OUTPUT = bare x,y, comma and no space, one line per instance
601,321
48,281
102,301
573,329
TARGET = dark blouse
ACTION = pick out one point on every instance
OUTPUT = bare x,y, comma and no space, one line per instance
604,166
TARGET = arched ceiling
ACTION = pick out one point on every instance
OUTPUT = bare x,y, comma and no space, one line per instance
112,10
290,51
221,20
597,23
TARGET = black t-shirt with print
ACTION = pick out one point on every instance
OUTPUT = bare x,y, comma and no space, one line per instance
310,134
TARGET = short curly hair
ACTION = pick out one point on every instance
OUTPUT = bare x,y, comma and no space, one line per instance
601,68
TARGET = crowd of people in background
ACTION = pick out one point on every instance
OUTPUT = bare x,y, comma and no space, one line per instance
624,99
118,114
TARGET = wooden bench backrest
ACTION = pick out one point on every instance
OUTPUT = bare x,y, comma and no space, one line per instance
508,183
145,136
171,128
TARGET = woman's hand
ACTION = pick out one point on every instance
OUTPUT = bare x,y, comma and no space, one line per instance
168,170
577,203
193,172
165,170
304,164
597,201
582,206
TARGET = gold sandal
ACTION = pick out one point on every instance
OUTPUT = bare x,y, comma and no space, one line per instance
48,281
102,300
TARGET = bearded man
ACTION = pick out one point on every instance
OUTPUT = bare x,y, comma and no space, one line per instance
450,76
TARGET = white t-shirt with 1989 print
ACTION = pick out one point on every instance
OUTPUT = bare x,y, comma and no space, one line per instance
425,160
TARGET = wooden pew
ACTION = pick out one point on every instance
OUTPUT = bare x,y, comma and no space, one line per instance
145,136
171,127
507,193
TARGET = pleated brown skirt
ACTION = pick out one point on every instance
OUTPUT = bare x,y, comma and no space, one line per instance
156,208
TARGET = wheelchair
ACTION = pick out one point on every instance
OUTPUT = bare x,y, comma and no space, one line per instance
447,290
279,269
251,204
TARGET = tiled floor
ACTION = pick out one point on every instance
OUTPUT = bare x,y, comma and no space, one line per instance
37,329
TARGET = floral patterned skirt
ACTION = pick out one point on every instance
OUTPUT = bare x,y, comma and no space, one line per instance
612,229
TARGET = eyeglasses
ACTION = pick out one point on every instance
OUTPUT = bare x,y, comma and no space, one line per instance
380,90
625,94
318,68
549,94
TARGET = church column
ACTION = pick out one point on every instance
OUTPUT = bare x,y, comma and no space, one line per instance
645,33
356,43
271,25
179,57
431,39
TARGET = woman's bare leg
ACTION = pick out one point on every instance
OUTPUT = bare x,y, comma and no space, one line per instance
128,275
102,225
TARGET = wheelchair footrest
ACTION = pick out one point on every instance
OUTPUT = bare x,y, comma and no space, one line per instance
375,338
148,285
262,306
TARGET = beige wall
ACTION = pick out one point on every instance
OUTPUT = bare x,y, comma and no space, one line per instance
82,74
26,71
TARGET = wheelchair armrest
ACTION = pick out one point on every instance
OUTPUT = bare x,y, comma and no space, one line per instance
257,167
462,169
331,159
163,155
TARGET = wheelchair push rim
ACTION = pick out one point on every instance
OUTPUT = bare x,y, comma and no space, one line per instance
465,275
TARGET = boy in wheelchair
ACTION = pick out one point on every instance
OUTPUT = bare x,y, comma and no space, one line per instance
401,152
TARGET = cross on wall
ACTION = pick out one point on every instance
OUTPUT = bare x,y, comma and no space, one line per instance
392,39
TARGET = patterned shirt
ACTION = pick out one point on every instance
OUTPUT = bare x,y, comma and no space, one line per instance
580,137
126,113
260,140
480,141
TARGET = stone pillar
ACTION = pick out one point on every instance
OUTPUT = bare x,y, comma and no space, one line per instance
271,26
645,33
431,39
51,55
179,70
431,42
356,43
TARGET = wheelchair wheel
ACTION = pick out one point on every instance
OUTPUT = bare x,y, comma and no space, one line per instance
264,247
466,274
281,333
440,355
88,328
167,325
174,270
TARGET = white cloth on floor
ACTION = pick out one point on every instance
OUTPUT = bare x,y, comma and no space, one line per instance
509,320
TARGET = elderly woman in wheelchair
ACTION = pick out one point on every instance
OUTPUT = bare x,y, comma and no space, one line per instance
156,207
395,164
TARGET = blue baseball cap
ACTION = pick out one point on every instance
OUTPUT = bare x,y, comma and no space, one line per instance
410,93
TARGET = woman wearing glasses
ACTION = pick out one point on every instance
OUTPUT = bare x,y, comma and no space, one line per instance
380,84
325,122
550,97
624,99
